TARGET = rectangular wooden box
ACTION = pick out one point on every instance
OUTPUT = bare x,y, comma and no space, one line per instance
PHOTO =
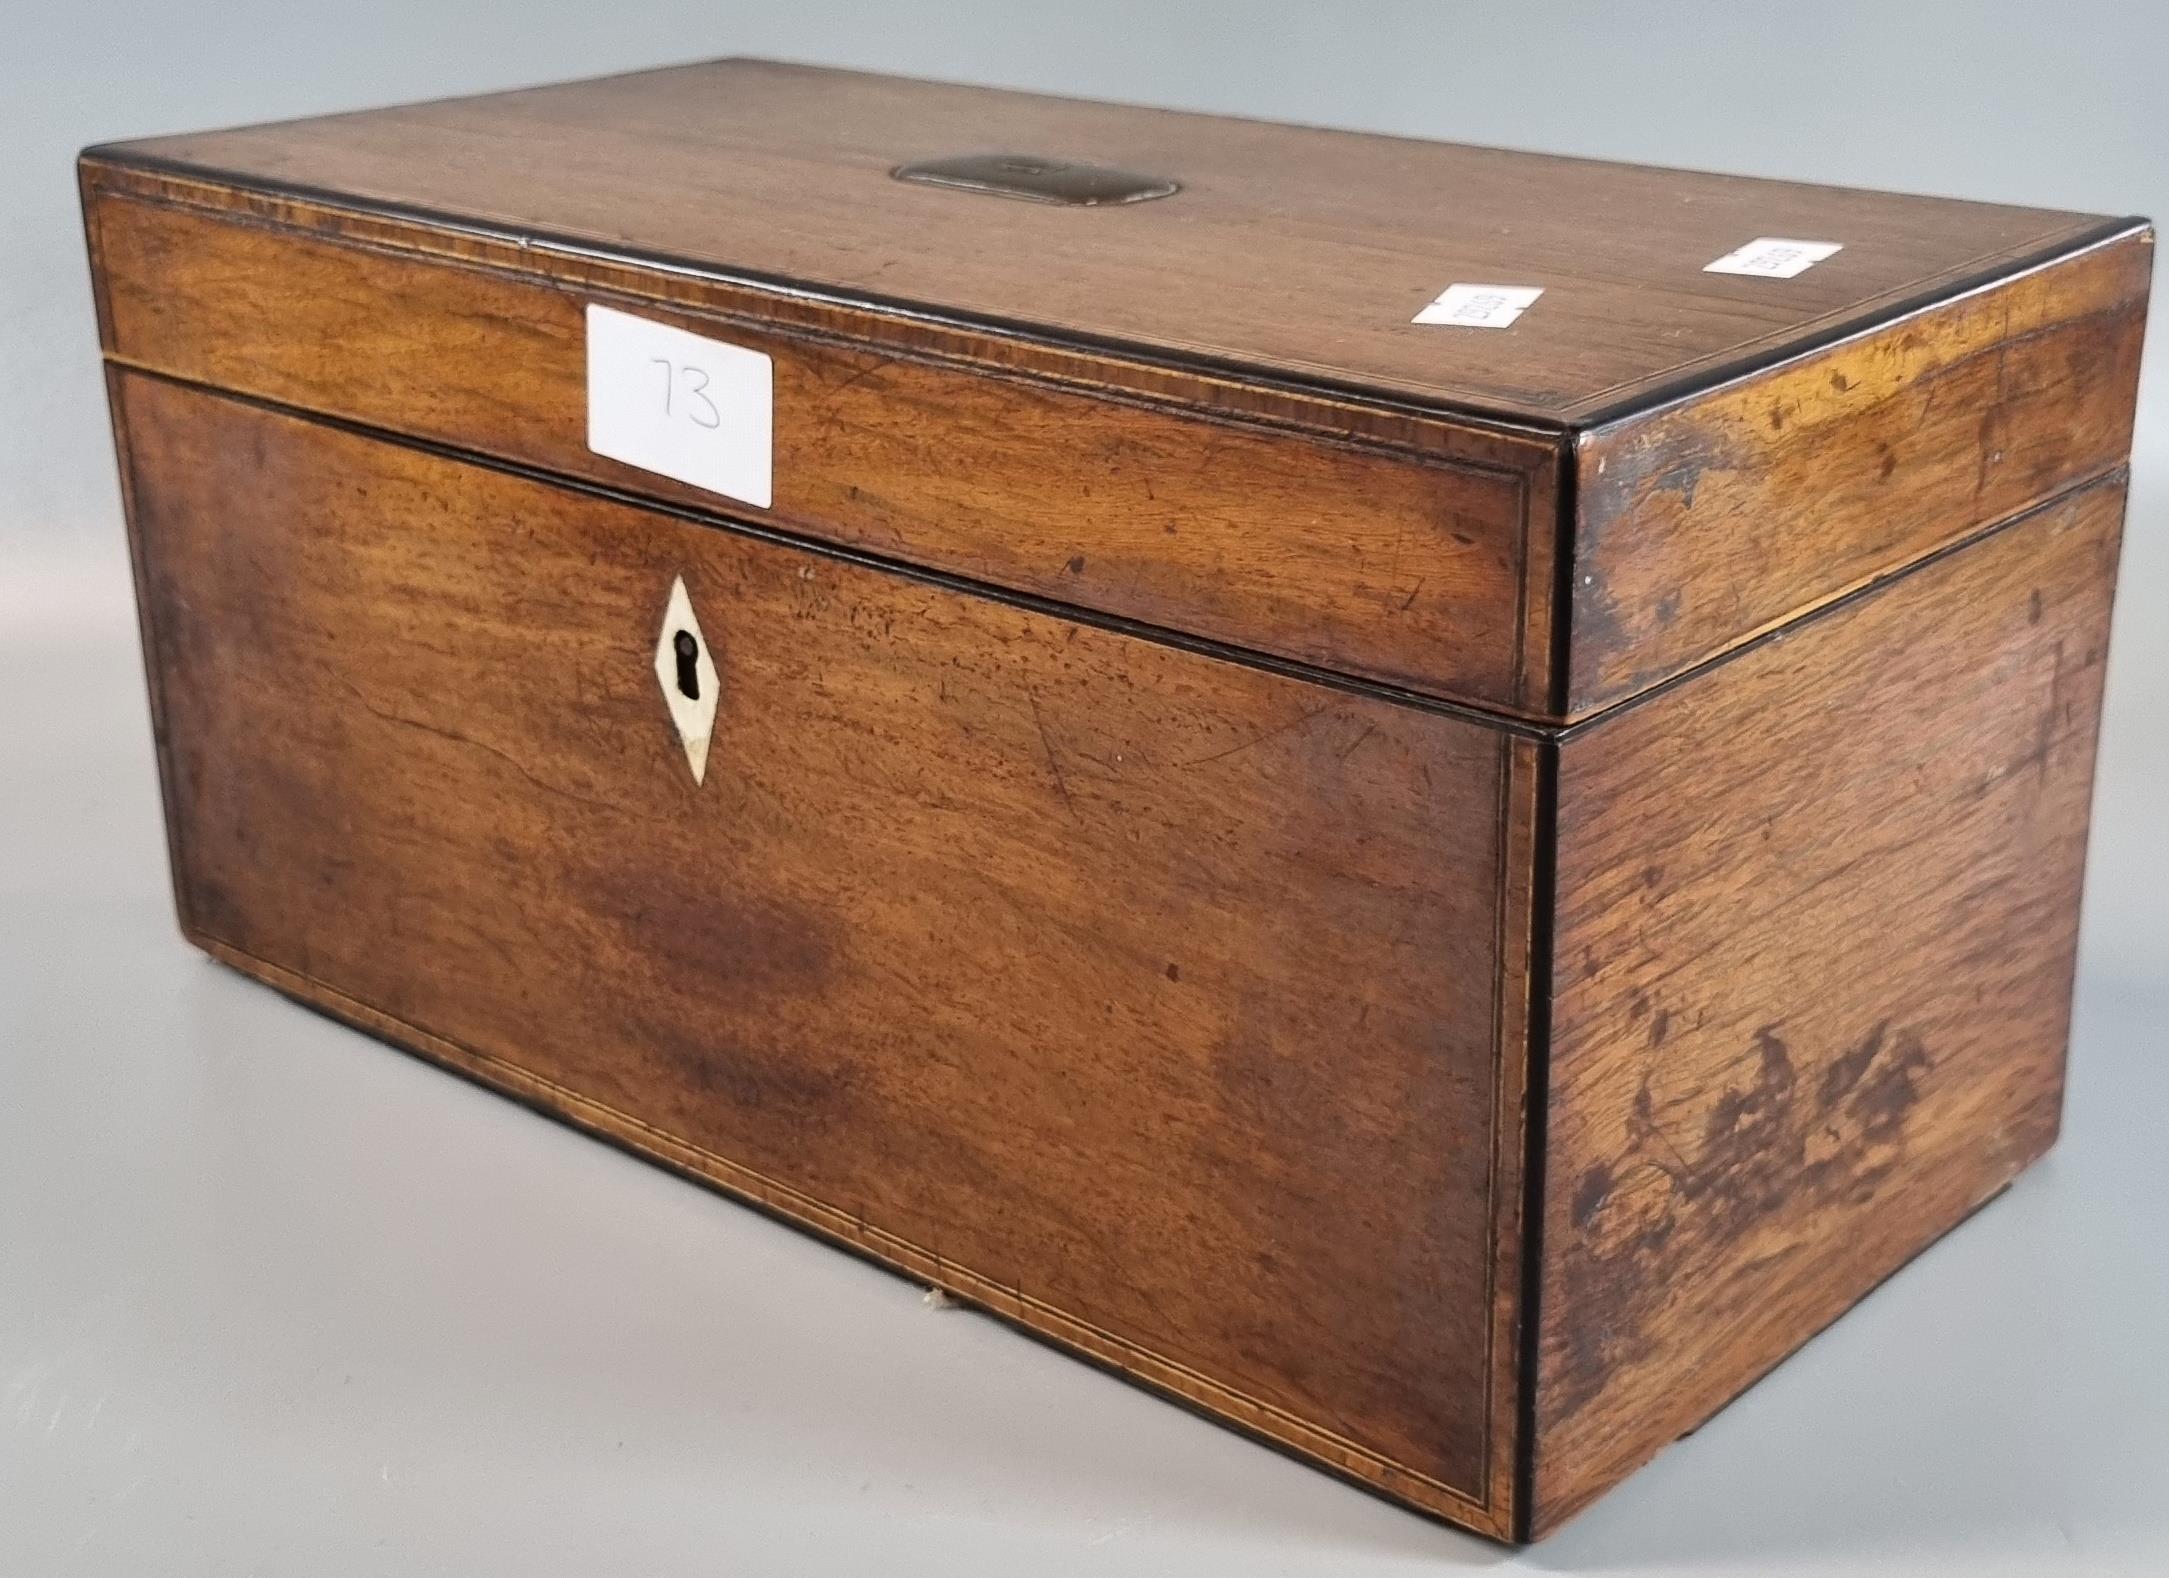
1445,894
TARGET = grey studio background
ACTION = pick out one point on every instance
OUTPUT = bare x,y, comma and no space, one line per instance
274,1299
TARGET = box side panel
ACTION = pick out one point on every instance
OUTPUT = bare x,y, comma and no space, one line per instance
1817,910
1153,1001
1366,542
1724,515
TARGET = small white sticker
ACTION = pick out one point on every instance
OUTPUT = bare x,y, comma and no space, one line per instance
678,405
1773,257
1479,306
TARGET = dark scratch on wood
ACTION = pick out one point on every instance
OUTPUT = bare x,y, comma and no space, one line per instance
1257,740
1349,750
457,738
1054,765
873,366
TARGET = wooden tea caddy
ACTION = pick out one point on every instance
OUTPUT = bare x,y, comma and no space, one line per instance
1445,891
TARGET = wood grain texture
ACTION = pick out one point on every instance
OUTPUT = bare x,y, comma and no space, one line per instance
1727,513
1379,556
1153,1000
1410,549
1815,926
1446,897
1297,253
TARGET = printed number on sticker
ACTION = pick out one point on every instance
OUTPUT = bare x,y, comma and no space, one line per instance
1774,257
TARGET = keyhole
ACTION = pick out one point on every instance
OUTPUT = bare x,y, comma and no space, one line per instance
688,651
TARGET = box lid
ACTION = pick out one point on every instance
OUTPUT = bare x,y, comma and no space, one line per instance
1299,252
1200,383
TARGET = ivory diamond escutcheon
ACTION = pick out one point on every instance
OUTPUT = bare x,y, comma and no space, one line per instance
688,677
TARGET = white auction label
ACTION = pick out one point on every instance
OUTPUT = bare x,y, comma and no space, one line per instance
679,405
1774,257
1479,306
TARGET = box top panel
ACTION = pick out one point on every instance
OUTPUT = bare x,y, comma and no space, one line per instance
1289,253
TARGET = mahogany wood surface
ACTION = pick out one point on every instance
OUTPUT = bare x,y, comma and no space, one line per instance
1413,550
1396,554
1814,938
1300,252
1128,991
1705,522
1445,896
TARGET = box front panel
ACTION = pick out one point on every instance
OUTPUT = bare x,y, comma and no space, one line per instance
1152,1000
1372,543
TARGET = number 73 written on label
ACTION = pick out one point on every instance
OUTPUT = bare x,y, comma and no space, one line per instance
696,407
680,405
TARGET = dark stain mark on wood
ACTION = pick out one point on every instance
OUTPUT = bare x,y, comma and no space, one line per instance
1682,477
1590,1194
